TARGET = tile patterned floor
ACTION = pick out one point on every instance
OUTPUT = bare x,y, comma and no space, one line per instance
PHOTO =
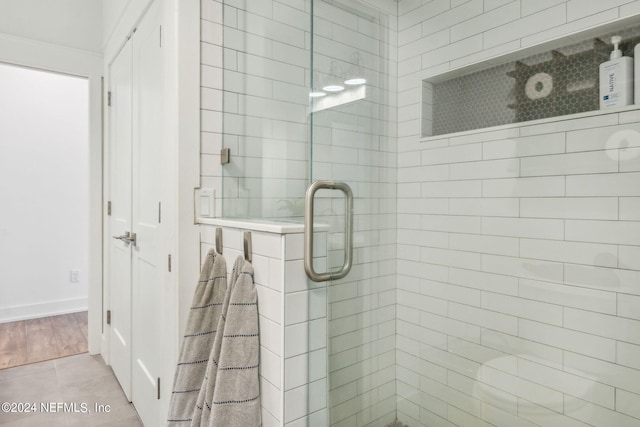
74,381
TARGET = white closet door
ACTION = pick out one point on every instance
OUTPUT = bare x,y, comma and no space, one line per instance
120,219
137,269
149,261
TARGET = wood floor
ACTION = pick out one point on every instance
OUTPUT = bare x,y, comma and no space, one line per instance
35,340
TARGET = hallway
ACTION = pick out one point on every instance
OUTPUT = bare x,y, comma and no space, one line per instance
83,383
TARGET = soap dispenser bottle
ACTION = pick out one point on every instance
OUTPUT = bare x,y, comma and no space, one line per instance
616,79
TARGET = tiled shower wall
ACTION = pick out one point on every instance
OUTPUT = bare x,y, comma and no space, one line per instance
255,59
356,143
293,353
255,67
518,297
211,97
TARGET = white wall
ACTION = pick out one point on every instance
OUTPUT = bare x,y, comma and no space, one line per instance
44,53
44,186
517,272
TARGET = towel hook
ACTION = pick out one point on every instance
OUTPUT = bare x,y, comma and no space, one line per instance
219,240
247,246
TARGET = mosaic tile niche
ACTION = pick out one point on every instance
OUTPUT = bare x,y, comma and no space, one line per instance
555,83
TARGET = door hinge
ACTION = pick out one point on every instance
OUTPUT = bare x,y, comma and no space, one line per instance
158,388
109,208
169,262
108,317
159,212
109,99
160,35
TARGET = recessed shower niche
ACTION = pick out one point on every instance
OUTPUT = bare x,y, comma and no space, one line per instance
555,79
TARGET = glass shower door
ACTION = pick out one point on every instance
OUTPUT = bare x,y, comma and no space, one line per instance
352,135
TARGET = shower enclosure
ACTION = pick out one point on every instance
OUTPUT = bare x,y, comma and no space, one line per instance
323,109
494,273
353,140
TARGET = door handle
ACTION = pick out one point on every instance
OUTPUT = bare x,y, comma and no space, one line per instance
308,231
128,238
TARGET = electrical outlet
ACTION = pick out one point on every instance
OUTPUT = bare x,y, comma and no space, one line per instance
75,275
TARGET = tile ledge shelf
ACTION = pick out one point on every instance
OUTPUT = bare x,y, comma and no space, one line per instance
568,117
267,226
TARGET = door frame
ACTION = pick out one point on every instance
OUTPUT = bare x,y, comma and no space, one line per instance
50,57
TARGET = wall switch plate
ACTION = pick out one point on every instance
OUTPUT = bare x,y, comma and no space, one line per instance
74,276
205,202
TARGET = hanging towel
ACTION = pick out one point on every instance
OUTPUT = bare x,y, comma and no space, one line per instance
197,342
202,411
233,398
236,397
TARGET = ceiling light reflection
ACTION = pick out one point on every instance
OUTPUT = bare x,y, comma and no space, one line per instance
355,81
333,88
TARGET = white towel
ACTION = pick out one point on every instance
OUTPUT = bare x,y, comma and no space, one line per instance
199,336
232,391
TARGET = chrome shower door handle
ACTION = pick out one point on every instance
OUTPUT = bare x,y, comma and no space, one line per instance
308,231
127,238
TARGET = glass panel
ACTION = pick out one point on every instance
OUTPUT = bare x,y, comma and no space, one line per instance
351,132
517,297
265,123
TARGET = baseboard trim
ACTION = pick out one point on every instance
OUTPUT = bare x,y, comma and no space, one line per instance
45,309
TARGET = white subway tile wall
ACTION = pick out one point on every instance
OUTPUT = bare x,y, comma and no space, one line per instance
255,98
293,318
211,95
268,255
265,91
518,280
356,143
517,293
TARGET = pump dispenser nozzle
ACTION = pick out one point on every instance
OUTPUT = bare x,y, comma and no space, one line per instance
617,53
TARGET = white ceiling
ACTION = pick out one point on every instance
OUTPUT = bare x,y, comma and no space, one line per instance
71,23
